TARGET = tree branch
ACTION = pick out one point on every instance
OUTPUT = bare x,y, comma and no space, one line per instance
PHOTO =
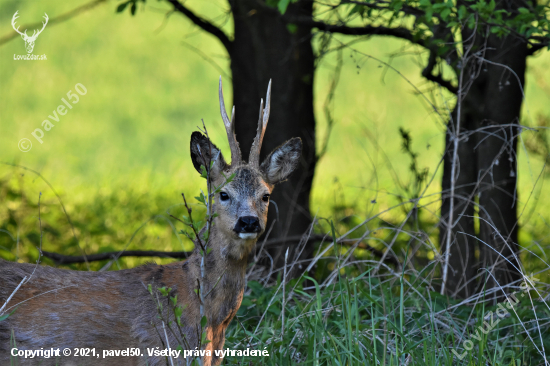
427,73
203,24
69,259
398,32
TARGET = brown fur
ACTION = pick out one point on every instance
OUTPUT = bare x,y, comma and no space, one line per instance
59,308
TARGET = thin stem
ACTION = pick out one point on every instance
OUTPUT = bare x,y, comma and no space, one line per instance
456,141
284,296
167,343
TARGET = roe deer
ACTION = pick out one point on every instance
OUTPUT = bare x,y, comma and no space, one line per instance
114,310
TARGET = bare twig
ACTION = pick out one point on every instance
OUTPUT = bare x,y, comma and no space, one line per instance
13,293
455,138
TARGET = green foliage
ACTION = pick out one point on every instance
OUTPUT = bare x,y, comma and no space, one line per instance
133,6
369,321
442,25
108,221
430,14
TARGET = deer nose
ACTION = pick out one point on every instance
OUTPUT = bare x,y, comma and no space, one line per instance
247,224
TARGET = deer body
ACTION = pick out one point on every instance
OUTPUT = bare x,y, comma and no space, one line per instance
113,310
56,308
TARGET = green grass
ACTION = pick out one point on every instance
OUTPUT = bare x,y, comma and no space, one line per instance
392,319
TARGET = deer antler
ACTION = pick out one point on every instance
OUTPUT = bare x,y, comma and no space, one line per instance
254,158
13,24
230,129
36,33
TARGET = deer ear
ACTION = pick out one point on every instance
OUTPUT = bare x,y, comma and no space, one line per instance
203,151
282,161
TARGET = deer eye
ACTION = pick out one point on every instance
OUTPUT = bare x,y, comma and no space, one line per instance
265,198
224,196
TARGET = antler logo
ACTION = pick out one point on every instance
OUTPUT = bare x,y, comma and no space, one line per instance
29,40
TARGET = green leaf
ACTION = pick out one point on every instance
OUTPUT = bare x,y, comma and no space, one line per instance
150,288
452,24
120,8
283,5
204,321
292,28
203,339
359,9
201,199
231,177
5,316
133,9
204,174
165,291
462,12
174,300
197,225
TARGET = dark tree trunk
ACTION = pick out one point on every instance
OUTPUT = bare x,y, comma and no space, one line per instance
487,170
497,159
462,259
263,49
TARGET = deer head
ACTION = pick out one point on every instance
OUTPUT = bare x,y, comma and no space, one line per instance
242,204
29,40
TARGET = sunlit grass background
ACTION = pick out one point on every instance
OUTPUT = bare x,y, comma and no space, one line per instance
120,156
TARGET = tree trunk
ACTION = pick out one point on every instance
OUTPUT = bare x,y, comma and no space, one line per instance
497,159
462,261
263,49
488,169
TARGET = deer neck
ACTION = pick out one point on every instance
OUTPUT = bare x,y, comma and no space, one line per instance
225,263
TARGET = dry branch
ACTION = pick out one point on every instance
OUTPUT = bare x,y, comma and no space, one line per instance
70,259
